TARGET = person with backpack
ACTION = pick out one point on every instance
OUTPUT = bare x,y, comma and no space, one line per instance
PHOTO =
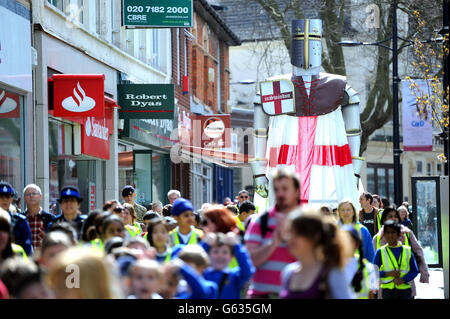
264,237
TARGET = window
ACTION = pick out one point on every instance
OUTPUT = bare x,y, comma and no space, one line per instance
429,169
155,48
419,166
380,180
72,8
201,184
98,18
439,169
205,36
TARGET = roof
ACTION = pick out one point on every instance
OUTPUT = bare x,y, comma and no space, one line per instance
217,24
251,22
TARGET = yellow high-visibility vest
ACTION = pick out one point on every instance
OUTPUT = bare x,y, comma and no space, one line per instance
132,230
196,235
239,224
365,284
389,263
97,243
18,250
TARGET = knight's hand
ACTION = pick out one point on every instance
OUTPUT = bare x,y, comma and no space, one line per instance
262,186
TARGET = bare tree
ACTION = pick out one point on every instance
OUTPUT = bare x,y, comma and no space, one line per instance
378,106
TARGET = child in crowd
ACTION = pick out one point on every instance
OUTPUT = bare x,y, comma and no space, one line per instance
112,226
185,233
145,279
53,243
95,279
24,279
190,266
397,264
221,249
158,237
361,274
322,250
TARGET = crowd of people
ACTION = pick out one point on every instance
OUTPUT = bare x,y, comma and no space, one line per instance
228,250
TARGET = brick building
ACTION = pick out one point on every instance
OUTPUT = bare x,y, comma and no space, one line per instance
201,74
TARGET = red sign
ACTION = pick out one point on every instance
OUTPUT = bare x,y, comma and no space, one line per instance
95,137
78,95
9,105
215,130
91,196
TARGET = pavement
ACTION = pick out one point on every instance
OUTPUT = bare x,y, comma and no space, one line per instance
435,288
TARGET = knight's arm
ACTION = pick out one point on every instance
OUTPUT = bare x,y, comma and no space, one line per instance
260,133
351,114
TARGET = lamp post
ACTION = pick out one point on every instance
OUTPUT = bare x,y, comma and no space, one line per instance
398,186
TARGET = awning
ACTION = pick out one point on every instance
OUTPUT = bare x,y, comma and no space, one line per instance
219,157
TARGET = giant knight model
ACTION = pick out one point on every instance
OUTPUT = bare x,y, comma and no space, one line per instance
318,135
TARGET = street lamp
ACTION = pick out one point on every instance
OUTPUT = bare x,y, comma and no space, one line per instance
398,187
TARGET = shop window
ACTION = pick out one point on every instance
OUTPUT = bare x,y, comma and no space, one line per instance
380,180
10,139
201,184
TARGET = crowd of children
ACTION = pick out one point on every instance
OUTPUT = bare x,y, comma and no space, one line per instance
228,251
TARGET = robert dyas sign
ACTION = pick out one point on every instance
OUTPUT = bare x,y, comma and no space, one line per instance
146,101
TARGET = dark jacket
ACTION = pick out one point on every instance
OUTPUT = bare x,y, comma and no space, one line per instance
77,223
21,232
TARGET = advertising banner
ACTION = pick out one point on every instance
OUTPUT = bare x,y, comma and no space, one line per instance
417,132
152,13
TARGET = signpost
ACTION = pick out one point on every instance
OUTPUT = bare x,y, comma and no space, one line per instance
146,101
157,14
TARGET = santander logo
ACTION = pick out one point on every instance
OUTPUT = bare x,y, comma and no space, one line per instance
6,104
96,129
78,102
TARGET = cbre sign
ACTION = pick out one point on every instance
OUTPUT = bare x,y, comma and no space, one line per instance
156,13
146,101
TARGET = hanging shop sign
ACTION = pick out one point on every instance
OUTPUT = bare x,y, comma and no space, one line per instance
146,101
9,105
163,14
215,130
417,131
78,95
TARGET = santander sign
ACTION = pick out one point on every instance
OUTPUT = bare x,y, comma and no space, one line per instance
6,103
78,102
96,129
78,95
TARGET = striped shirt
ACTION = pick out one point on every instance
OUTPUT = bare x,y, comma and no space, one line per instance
267,278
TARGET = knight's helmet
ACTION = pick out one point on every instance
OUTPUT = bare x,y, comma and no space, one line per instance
306,44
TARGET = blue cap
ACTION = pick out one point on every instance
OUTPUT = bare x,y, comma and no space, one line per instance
127,190
180,205
70,192
6,189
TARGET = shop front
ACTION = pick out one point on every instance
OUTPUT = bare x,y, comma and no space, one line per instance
16,160
144,158
78,112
